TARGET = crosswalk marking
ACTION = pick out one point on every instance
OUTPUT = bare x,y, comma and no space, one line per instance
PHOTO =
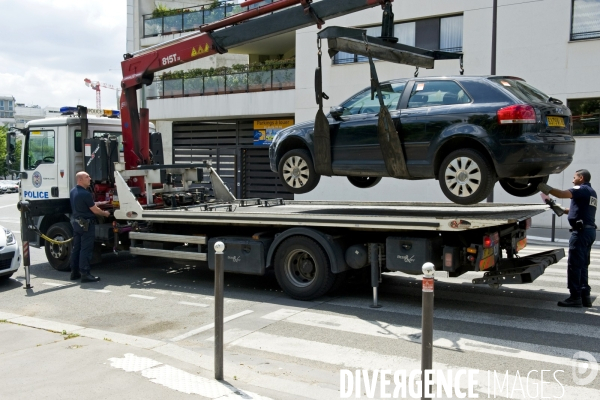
53,284
187,303
209,326
141,296
97,290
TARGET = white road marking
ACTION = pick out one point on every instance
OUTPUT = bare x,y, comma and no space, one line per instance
53,284
351,358
231,335
140,296
97,290
510,321
442,339
187,303
210,326
10,205
179,380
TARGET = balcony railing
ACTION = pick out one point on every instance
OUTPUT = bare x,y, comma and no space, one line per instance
242,82
189,19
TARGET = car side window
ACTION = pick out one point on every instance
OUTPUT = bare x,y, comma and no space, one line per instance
361,103
437,93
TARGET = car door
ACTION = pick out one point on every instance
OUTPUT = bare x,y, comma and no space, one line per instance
427,111
355,145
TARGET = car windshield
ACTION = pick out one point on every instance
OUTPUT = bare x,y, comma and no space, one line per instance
361,103
521,89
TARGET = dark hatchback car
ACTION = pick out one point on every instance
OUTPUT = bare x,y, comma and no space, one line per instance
467,132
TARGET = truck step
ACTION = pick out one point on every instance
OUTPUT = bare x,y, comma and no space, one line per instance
161,237
184,255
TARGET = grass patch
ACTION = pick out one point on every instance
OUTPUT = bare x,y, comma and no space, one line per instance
68,336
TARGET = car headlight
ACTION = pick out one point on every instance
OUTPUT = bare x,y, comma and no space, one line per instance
10,237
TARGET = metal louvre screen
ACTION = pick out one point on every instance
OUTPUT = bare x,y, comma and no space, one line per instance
230,146
258,179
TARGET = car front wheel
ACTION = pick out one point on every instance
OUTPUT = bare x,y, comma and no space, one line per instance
466,176
297,171
522,187
364,182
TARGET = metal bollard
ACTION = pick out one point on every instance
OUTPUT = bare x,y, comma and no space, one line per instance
375,274
23,206
219,285
427,323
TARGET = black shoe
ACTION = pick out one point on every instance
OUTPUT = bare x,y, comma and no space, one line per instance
75,275
89,278
586,301
570,302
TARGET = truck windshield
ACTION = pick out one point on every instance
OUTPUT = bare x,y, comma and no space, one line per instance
39,148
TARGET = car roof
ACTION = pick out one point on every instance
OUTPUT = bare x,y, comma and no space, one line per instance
453,77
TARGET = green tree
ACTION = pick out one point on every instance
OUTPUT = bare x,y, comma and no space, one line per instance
5,171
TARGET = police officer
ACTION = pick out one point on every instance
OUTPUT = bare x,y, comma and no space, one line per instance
582,218
84,217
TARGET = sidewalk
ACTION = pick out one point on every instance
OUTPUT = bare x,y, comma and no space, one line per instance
50,360
543,236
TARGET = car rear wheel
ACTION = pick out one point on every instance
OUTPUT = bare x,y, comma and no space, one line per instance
59,255
297,171
364,182
466,176
522,187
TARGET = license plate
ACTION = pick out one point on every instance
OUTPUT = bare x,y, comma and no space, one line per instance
558,122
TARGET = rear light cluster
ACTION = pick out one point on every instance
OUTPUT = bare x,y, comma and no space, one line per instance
516,114
491,240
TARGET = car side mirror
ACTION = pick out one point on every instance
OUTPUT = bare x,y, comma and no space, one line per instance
336,112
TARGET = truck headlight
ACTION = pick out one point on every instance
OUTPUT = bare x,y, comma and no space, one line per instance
10,237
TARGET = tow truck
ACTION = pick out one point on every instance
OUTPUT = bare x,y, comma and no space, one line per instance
179,211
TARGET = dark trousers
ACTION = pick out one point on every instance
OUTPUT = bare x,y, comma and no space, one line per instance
580,246
83,248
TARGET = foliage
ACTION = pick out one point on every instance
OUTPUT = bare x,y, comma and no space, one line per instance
268,65
5,171
214,4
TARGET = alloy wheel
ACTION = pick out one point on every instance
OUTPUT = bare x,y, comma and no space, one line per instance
463,176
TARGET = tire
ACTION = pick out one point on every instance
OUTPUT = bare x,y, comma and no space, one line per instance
59,256
297,172
302,268
466,177
364,182
522,187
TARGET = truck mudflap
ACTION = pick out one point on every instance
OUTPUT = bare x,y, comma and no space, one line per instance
523,269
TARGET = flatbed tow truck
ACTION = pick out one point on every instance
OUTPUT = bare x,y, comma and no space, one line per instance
310,245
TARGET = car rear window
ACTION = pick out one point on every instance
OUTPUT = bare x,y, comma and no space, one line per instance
522,90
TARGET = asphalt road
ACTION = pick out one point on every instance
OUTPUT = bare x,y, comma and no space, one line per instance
295,350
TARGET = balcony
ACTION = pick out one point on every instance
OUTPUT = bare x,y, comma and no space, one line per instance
274,75
164,21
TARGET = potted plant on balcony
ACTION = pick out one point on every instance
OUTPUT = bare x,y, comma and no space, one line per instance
259,76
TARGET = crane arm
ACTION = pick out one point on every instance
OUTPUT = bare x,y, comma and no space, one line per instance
139,68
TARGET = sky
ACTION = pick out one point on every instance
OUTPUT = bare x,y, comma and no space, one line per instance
48,48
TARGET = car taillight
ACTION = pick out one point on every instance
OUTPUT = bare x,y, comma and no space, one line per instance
516,114
490,240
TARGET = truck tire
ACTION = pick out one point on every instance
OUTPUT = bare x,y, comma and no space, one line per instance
466,176
59,256
302,268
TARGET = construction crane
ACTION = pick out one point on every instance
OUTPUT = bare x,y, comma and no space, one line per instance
96,85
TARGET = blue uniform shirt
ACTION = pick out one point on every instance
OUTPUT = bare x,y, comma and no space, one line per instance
81,201
583,204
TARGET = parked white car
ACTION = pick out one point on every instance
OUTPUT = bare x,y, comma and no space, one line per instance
10,186
10,255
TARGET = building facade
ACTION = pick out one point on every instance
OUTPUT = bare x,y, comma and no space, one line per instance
552,44
7,111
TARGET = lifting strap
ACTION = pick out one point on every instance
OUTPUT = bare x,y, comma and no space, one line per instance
321,135
389,140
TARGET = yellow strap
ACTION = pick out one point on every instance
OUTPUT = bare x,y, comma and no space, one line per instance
54,241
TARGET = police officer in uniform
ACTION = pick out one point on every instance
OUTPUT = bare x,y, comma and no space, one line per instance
582,218
84,212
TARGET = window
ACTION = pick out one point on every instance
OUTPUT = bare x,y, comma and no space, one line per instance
586,116
521,90
585,22
437,93
432,34
39,149
78,141
361,103
1,104
10,105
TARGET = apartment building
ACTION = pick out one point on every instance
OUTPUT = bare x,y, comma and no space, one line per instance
552,44
7,111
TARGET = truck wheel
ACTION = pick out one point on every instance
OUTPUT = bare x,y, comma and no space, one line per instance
302,268
364,182
59,256
466,177
522,187
297,172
